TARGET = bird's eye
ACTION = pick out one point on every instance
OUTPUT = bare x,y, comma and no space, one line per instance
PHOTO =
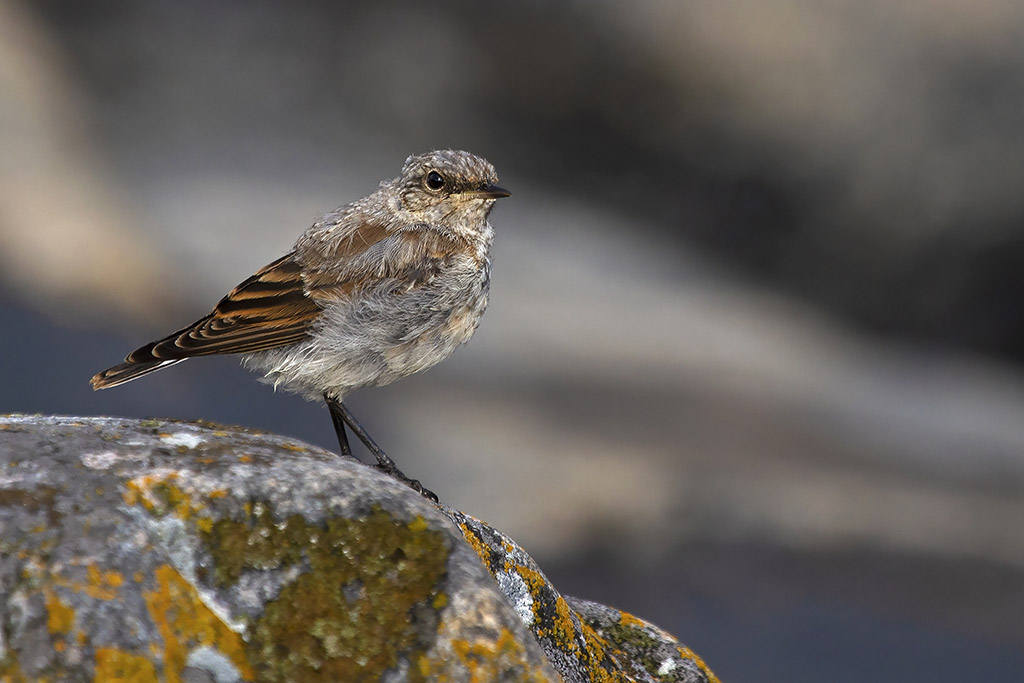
434,181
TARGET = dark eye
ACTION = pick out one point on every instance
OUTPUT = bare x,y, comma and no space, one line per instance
435,181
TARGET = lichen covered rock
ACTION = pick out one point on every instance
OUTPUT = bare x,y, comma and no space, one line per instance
165,551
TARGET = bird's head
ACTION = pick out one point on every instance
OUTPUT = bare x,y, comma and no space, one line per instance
448,189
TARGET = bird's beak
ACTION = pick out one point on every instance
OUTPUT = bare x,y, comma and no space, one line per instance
488,192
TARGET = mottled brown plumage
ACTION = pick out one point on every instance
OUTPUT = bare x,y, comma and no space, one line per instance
378,289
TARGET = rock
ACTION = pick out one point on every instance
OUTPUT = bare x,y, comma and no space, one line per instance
170,551
584,640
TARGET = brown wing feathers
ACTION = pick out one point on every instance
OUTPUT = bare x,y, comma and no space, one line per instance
269,309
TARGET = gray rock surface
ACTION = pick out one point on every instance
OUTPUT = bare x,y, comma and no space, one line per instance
154,550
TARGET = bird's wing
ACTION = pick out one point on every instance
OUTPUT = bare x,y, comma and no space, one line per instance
269,309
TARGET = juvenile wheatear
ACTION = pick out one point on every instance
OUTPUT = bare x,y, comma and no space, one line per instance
376,290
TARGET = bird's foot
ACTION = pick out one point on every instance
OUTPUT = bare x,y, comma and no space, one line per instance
392,470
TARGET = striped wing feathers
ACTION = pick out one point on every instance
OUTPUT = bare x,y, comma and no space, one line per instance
267,310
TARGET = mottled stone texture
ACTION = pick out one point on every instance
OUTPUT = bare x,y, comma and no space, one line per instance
584,640
166,551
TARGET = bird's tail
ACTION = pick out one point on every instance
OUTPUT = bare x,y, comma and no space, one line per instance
127,371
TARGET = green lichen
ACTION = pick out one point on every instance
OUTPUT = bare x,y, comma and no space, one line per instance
117,666
10,669
633,636
256,543
637,640
365,597
171,498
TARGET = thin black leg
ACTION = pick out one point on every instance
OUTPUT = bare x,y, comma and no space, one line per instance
342,416
339,426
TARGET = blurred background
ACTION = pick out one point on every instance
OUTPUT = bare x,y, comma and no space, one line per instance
752,368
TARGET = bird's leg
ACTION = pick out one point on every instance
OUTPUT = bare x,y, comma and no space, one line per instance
339,425
342,416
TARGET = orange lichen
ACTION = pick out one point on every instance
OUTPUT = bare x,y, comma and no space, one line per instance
100,584
60,617
535,583
161,496
562,628
628,619
687,653
117,666
139,490
476,544
185,622
564,631
484,660
595,657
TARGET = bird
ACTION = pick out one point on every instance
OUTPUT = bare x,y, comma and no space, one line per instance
376,290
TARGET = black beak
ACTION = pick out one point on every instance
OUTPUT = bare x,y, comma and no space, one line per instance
489,192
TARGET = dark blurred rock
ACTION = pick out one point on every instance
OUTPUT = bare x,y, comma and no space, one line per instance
184,551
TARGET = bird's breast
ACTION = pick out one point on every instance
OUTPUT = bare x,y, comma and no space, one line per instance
466,313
